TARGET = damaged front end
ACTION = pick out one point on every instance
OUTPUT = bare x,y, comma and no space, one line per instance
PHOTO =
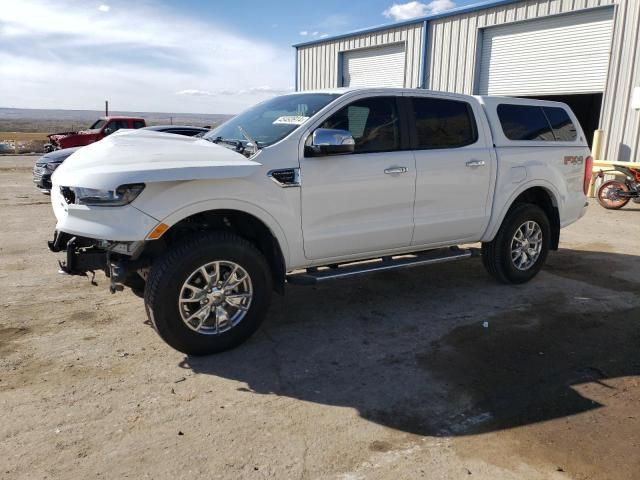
121,262
64,140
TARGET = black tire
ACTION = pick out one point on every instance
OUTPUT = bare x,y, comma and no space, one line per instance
496,255
169,273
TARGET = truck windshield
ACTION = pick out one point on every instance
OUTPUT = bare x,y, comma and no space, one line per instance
272,120
98,125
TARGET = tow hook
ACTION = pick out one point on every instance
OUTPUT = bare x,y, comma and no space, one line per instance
117,274
79,260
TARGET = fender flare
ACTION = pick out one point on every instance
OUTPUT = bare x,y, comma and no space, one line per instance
496,219
233,204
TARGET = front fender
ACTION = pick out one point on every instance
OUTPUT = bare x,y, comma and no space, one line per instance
232,204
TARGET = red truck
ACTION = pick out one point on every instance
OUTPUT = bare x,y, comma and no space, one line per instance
101,128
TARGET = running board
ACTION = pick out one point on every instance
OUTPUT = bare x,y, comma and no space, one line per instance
314,275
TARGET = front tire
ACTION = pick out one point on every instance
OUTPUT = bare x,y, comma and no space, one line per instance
208,294
520,248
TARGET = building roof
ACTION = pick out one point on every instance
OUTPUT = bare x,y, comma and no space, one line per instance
454,11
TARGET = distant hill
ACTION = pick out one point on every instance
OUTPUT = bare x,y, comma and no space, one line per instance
51,121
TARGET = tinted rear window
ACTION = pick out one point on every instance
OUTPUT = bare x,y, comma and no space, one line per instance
443,123
563,128
529,122
524,122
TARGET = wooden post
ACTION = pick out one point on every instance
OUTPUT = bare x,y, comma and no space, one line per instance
596,148
106,108
596,153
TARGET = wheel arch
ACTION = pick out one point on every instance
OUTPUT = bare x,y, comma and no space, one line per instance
542,195
253,224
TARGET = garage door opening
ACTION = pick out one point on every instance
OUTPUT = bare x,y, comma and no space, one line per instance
559,54
374,67
586,107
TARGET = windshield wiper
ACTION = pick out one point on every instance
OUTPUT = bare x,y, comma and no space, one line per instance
229,141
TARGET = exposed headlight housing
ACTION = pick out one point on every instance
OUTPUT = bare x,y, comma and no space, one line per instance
123,195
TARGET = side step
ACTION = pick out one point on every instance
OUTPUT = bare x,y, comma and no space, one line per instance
314,275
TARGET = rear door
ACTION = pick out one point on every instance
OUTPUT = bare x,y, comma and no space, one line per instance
361,202
454,168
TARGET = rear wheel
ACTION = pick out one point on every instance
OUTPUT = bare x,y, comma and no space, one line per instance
608,195
520,248
209,294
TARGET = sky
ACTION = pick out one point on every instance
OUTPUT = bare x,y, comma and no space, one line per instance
188,56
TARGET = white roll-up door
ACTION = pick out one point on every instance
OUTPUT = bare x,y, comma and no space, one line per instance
374,67
564,54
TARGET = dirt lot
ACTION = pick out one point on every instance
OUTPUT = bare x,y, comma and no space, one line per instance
22,136
391,376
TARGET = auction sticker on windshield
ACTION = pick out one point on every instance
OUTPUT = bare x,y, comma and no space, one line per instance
290,120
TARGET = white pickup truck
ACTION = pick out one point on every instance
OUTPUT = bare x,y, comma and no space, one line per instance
313,187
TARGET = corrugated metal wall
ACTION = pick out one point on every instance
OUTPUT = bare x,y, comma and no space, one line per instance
318,64
621,123
452,45
571,55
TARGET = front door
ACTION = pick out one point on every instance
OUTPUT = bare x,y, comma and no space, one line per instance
362,202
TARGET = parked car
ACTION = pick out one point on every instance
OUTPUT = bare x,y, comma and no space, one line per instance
101,128
47,164
318,186
186,130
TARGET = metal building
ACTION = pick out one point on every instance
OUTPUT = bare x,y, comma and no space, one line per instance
582,52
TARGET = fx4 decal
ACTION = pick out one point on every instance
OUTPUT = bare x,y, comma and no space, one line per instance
574,160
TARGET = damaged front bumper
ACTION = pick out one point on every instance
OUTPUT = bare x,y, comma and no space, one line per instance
120,261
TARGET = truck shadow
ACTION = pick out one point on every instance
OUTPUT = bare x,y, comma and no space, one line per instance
411,350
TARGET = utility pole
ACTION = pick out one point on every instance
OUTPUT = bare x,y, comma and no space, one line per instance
106,108
171,120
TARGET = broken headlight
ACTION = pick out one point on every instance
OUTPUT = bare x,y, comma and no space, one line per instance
123,195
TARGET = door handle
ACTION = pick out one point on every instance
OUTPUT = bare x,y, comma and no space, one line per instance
395,170
476,163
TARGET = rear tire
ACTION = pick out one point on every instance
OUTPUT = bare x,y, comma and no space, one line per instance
197,280
520,248
605,192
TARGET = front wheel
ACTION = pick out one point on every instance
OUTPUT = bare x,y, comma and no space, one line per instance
208,294
609,195
520,248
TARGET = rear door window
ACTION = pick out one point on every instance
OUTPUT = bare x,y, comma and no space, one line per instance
442,123
524,122
563,128
138,124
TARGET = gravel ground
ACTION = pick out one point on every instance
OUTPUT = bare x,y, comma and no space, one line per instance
392,376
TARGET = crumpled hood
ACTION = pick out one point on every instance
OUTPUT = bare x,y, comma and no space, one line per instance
74,139
143,156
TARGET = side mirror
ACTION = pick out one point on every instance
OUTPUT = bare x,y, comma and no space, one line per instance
327,141
108,131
